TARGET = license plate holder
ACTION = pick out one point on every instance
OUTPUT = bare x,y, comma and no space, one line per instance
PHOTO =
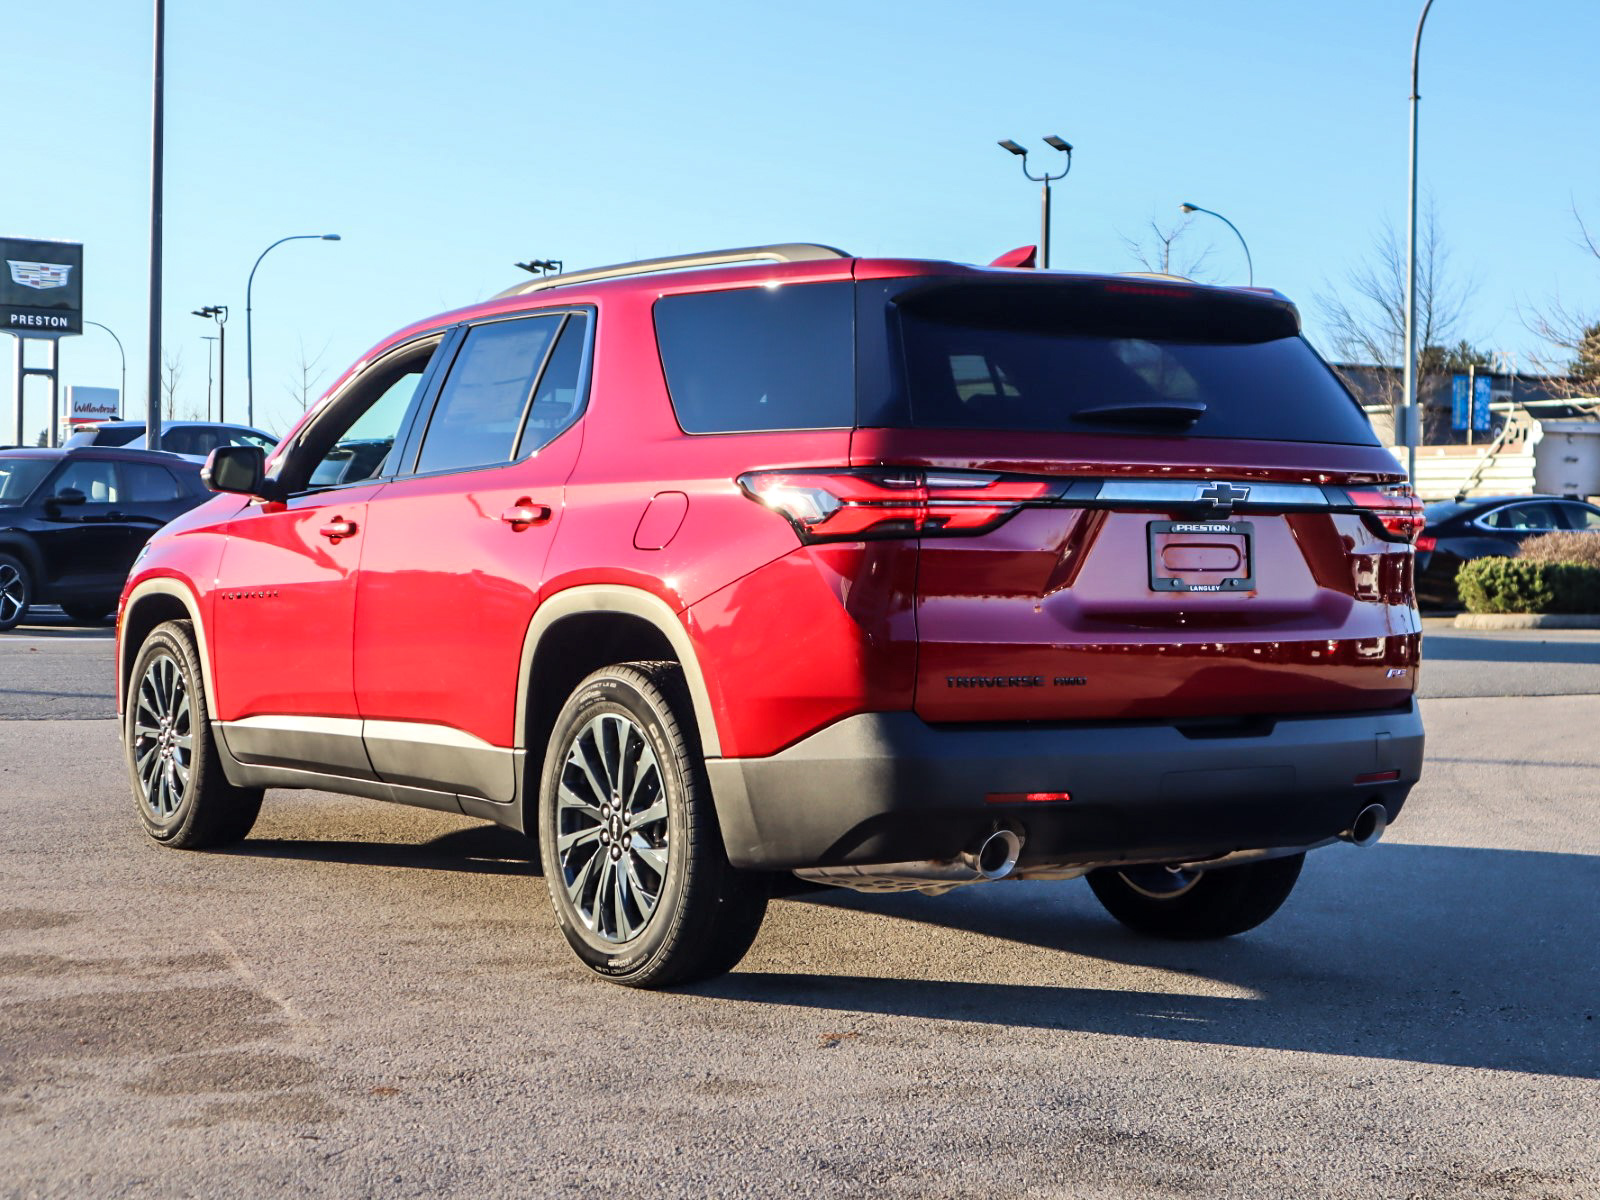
1202,556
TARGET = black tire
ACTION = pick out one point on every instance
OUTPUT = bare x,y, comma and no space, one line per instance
16,591
179,791
654,826
1196,905
89,614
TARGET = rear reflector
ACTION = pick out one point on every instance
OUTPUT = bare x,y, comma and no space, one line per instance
855,504
1027,797
1378,777
1427,543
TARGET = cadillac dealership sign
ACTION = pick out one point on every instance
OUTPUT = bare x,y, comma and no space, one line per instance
41,288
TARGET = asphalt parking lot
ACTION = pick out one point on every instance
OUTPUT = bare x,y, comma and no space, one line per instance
363,1000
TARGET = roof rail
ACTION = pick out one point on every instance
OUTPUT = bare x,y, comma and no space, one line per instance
783,252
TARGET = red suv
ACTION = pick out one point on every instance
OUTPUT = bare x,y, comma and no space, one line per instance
891,574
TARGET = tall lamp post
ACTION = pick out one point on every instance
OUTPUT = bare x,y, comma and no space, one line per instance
208,340
219,314
1055,143
1250,267
249,340
1412,425
121,395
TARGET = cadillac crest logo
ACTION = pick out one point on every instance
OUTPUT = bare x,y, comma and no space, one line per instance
40,275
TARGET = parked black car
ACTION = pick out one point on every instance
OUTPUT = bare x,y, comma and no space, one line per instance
73,520
1483,527
193,439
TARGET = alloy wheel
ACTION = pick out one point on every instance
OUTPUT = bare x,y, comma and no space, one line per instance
163,737
611,827
13,593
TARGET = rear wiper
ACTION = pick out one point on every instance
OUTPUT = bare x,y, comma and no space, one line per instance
1145,412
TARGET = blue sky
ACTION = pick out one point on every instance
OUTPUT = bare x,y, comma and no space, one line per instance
445,142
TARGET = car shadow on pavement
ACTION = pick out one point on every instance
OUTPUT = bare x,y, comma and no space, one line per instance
483,850
1433,954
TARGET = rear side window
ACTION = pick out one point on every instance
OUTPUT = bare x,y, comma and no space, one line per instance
480,407
760,358
559,397
146,484
1024,359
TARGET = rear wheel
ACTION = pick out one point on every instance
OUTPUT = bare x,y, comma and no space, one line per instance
1189,905
182,797
16,591
629,840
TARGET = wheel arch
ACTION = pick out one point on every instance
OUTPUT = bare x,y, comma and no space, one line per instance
23,548
149,604
583,628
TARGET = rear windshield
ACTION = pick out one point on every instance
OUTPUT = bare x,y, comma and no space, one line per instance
1125,360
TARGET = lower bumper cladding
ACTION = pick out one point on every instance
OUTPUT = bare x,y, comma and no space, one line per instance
888,788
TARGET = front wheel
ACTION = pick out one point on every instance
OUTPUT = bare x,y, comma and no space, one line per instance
1188,905
628,836
182,796
16,591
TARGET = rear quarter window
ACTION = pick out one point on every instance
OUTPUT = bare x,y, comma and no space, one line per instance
760,358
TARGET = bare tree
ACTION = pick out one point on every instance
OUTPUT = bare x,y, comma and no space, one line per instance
307,377
1575,333
1156,250
171,373
1367,319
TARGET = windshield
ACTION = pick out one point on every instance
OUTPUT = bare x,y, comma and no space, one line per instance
19,476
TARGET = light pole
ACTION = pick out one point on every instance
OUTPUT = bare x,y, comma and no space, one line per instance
1250,267
208,339
1055,143
123,393
152,403
219,314
249,340
1412,425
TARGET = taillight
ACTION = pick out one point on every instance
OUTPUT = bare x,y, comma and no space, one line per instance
1427,543
1393,513
856,504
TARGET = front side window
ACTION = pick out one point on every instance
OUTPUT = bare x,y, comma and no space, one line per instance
354,439
1531,517
96,480
483,399
1585,520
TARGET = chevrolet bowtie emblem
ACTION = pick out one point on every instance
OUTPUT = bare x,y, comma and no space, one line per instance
1224,495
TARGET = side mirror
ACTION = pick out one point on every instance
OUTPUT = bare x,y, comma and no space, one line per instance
69,497
239,469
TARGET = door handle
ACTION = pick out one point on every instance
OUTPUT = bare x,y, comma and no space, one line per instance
338,528
524,513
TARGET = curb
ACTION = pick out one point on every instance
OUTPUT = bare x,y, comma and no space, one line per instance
1528,621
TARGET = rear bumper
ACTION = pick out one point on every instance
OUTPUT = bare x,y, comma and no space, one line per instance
888,787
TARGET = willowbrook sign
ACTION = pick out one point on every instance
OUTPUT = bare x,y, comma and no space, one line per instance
41,288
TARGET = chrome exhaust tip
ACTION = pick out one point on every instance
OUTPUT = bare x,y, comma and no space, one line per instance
996,855
1368,826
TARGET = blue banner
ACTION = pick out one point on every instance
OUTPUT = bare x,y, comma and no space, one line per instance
1480,403
1460,418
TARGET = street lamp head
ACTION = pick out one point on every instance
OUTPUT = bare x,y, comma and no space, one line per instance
330,237
1008,144
1056,143
1188,208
